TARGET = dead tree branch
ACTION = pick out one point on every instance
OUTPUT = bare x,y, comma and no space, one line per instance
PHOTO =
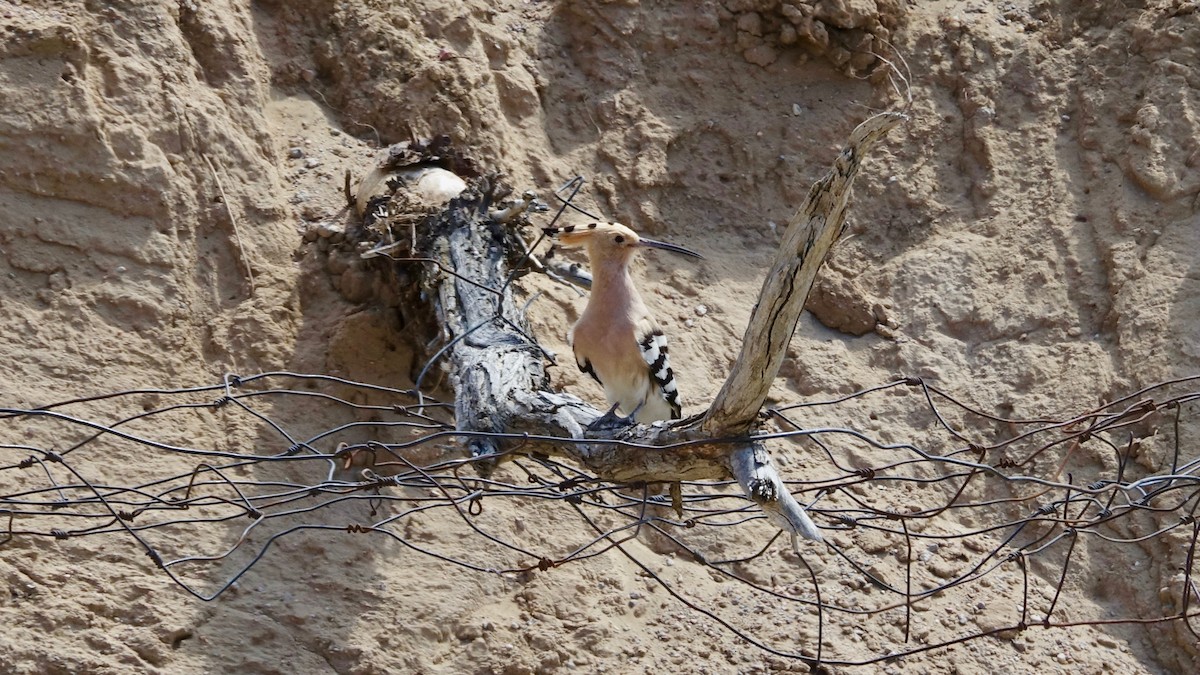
500,382
752,467
810,234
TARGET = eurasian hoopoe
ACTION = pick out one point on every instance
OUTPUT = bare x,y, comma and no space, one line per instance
617,341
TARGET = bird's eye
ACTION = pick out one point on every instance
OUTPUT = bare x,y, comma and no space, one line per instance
620,239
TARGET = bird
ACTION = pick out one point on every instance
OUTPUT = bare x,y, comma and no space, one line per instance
617,340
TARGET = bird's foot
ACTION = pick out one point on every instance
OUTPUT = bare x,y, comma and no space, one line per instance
610,421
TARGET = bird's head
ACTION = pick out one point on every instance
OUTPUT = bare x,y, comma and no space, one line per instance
609,241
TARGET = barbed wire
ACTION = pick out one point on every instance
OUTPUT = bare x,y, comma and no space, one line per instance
205,480
1015,511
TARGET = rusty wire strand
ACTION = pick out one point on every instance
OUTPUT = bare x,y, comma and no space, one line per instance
272,479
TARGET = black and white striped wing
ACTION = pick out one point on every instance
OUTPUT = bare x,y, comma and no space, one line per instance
654,351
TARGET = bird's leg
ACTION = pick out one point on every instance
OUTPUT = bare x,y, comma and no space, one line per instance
611,420
635,410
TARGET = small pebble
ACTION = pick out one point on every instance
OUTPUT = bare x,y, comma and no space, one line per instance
296,153
312,163
689,323
327,230
701,310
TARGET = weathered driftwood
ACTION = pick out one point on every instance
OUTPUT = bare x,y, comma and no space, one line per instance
810,234
752,466
497,370
492,361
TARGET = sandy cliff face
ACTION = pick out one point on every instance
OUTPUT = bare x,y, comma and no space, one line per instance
1029,241
130,138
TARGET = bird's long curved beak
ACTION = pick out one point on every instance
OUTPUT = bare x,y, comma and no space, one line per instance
650,243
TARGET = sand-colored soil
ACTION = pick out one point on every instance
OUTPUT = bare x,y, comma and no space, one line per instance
1028,241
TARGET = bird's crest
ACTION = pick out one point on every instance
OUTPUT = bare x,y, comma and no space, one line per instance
579,235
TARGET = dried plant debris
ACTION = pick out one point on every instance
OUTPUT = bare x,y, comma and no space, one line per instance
439,152
431,171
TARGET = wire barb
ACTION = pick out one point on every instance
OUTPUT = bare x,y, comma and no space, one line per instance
266,480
